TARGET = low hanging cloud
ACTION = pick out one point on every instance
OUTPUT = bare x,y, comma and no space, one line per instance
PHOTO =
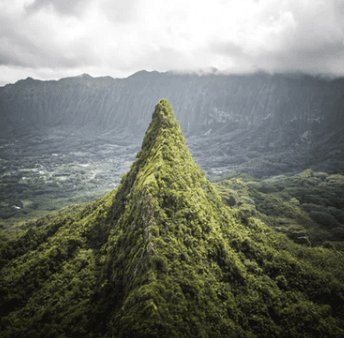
57,38
302,36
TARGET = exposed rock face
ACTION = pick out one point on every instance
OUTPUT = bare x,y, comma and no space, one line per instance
163,256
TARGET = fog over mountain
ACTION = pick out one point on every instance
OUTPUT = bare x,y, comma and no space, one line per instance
105,37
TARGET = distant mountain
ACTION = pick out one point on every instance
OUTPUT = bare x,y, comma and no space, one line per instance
164,256
264,124
202,103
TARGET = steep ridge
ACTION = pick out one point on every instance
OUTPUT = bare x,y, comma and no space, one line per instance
163,256
203,103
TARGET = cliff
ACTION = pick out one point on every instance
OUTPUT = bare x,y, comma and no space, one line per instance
202,103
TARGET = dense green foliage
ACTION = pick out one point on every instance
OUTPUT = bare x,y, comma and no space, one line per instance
164,256
308,207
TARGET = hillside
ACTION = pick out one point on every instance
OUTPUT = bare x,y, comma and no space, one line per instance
164,256
308,207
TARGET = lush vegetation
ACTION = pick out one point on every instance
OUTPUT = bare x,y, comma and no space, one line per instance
164,256
308,207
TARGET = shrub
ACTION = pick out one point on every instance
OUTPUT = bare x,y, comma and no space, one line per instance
309,207
324,219
338,234
328,245
315,199
337,213
282,282
267,188
158,263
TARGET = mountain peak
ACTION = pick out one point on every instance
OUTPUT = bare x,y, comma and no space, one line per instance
164,163
165,212
85,76
163,128
163,256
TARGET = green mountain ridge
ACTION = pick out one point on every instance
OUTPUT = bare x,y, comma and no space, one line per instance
164,256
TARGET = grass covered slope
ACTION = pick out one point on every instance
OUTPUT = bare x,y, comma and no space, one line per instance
164,256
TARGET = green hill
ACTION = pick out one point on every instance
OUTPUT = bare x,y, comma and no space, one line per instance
308,207
164,256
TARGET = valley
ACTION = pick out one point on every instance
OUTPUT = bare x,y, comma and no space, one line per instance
46,173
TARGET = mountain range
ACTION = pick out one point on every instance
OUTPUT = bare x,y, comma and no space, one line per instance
262,124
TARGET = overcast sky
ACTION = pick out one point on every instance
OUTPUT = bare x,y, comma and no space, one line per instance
51,39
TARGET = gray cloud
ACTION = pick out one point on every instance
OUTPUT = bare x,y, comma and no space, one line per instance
54,38
114,10
64,7
119,10
38,46
323,57
313,44
231,49
17,49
